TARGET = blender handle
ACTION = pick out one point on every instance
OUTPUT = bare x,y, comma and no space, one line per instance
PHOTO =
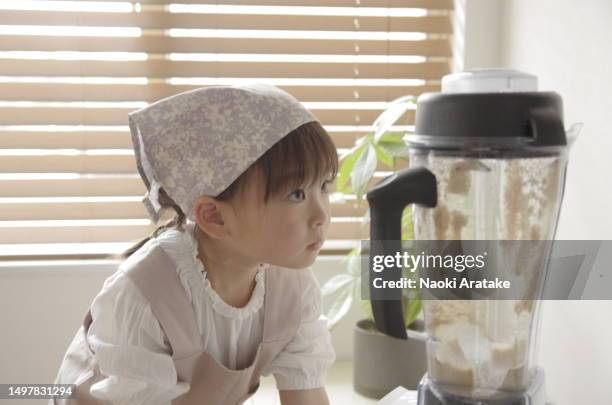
387,200
546,126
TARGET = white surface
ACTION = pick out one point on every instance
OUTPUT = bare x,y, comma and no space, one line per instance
400,396
339,387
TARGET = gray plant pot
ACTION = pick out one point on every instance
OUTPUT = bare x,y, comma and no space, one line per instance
382,363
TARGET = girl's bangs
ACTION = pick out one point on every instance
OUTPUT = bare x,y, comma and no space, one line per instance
304,157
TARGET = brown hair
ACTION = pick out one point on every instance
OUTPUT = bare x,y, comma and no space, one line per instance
306,154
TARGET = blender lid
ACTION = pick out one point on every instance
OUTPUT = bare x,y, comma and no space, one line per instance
495,108
489,81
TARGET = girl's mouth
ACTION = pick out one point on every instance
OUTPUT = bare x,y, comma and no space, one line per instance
316,245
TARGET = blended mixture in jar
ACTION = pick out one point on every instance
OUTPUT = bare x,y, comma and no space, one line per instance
479,348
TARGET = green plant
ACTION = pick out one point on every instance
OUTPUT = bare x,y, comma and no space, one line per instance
356,171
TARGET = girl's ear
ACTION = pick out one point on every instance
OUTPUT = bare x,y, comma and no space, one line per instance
210,215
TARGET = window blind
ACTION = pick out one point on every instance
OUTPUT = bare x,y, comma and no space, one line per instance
70,71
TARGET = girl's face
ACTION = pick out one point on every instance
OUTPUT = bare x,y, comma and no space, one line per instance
289,229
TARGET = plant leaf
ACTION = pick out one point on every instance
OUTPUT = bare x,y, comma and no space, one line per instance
363,170
336,283
392,138
394,143
396,109
407,224
411,310
366,305
339,307
384,156
346,168
354,265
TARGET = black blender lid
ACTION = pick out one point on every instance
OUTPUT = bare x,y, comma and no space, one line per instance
489,108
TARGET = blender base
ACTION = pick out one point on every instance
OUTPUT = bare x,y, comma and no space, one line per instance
429,394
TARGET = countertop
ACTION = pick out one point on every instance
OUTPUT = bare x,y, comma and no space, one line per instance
339,388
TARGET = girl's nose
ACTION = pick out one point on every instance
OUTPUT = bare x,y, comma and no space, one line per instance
320,214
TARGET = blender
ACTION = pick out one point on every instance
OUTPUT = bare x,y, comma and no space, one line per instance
488,162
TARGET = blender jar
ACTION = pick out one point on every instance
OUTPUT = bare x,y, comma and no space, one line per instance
498,151
479,348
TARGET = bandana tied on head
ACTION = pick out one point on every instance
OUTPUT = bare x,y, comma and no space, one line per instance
198,142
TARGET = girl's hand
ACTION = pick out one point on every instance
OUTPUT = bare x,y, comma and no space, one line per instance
316,396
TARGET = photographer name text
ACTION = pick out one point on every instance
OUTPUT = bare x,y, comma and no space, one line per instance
427,283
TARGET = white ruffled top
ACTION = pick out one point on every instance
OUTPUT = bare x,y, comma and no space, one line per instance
134,354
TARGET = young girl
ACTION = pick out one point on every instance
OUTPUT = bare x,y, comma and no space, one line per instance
222,294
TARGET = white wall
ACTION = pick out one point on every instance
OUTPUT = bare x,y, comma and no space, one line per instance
568,45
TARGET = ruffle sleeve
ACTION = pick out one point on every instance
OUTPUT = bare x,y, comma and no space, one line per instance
130,348
303,363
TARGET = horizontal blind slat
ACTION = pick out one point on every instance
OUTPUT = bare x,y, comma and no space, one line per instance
72,164
118,116
14,139
153,92
123,233
92,251
108,140
75,185
68,164
43,210
166,20
168,68
430,4
92,185
150,43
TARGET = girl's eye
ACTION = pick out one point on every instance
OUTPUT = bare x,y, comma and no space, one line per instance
298,192
327,186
